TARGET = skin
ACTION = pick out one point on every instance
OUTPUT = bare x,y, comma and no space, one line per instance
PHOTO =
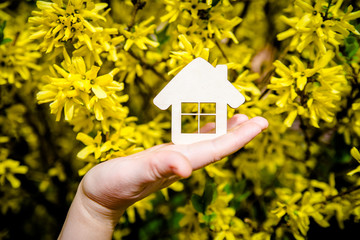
110,187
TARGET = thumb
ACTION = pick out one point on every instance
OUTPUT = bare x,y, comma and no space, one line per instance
164,164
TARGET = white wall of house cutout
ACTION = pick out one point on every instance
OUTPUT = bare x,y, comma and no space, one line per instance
199,83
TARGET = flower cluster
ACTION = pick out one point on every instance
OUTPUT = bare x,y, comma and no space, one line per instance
76,87
77,22
9,167
18,57
319,27
77,80
200,24
314,93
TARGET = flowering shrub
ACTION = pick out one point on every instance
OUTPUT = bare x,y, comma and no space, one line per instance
77,79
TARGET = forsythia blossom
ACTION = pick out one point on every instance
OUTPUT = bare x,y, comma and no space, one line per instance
17,58
99,65
320,26
79,87
9,167
76,21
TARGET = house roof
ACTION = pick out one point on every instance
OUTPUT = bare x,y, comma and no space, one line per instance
199,81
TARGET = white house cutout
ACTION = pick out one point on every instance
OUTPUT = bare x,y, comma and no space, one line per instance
199,83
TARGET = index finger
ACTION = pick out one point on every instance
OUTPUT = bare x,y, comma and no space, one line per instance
206,152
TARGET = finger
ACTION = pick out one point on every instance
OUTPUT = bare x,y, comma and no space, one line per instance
164,164
236,120
232,122
203,153
208,127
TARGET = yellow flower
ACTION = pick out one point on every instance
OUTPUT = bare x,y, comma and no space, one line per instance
151,133
187,55
195,8
318,26
141,208
245,83
343,19
8,169
121,143
4,15
82,120
355,154
297,208
219,207
189,219
77,21
102,148
91,162
207,22
129,67
58,171
221,27
176,186
100,42
17,58
324,86
93,145
196,33
324,101
78,88
139,35
173,10
284,84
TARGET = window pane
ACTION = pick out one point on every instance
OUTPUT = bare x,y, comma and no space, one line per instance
189,124
189,107
208,124
208,107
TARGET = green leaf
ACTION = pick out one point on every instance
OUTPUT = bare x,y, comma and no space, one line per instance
243,196
5,40
209,193
2,26
2,39
351,46
214,3
200,203
227,189
196,201
209,218
162,36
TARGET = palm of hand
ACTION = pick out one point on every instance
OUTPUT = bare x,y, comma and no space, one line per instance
112,186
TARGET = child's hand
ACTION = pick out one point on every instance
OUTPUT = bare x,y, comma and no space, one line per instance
110,187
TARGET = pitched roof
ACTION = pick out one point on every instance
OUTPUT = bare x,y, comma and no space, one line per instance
199,81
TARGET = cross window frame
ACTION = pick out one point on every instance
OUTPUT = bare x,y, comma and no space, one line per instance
199,114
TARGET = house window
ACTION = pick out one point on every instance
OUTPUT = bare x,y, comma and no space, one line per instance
195,115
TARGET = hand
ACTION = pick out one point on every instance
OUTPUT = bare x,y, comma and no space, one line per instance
110,187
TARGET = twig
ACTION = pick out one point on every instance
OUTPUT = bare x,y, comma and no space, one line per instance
146,65
271,72
307,138
221,50
349,191
138,5
327,10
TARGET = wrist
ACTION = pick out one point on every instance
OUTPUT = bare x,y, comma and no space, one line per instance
88,219
96,210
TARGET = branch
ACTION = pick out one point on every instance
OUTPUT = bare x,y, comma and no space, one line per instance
221,50
147,66
138,5
307,138
349,191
